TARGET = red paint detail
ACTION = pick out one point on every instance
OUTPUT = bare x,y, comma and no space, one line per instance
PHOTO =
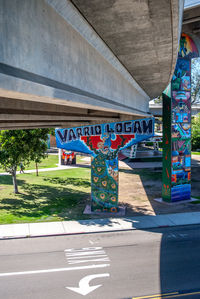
94,140
167,141
114,143
167,172
174,178
166,156
67,155
118,140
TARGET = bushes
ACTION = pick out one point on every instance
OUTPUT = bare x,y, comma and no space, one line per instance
196,133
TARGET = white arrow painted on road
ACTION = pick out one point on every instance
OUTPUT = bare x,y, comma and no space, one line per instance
84,287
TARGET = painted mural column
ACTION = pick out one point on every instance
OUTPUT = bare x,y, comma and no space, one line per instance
104,169
177,127
103,142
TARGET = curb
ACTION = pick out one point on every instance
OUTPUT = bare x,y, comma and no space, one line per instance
65,228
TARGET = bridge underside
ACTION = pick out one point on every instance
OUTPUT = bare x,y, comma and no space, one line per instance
70,63
22,114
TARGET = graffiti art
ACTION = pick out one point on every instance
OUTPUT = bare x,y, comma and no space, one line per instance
103,142
177,127
181,107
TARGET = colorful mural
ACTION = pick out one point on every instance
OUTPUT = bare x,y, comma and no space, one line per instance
166,174
179,124
103,142
67,157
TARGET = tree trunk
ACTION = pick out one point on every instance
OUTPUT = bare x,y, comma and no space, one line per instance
36,166
15,181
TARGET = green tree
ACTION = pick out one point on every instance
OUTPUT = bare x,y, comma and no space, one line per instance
158,100
39,146
196,132
21,146
195,81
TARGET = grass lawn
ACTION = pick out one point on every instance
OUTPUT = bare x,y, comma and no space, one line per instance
195,153
63,194
52,196
49,162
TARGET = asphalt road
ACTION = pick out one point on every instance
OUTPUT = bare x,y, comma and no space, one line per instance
114,265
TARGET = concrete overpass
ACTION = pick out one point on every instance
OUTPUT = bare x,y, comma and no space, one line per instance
190,26
65,63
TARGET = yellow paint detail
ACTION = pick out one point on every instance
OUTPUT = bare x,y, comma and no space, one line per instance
181,295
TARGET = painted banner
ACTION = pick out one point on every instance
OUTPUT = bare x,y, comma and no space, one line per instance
103,142
177,127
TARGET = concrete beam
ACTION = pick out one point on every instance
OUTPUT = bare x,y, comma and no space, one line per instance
50,60
29,117
27,125
20,110
31,105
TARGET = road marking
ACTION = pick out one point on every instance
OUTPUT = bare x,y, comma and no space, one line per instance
105,259
171,235
168,295
83,249
155,296
86,255
181,295
176,235
93,242
84,287
54,270
99,252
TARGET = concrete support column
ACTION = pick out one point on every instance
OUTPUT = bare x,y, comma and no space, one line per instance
177,127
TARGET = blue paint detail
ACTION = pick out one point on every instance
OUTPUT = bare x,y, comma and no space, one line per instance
77,145
65,142
180,192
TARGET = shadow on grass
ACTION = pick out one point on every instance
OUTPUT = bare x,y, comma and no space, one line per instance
7,180
46,201
69,181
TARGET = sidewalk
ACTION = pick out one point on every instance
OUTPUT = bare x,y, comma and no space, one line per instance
26,230
43,169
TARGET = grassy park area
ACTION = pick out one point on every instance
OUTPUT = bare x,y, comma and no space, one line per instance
52,196
63,194
50,162
195,153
